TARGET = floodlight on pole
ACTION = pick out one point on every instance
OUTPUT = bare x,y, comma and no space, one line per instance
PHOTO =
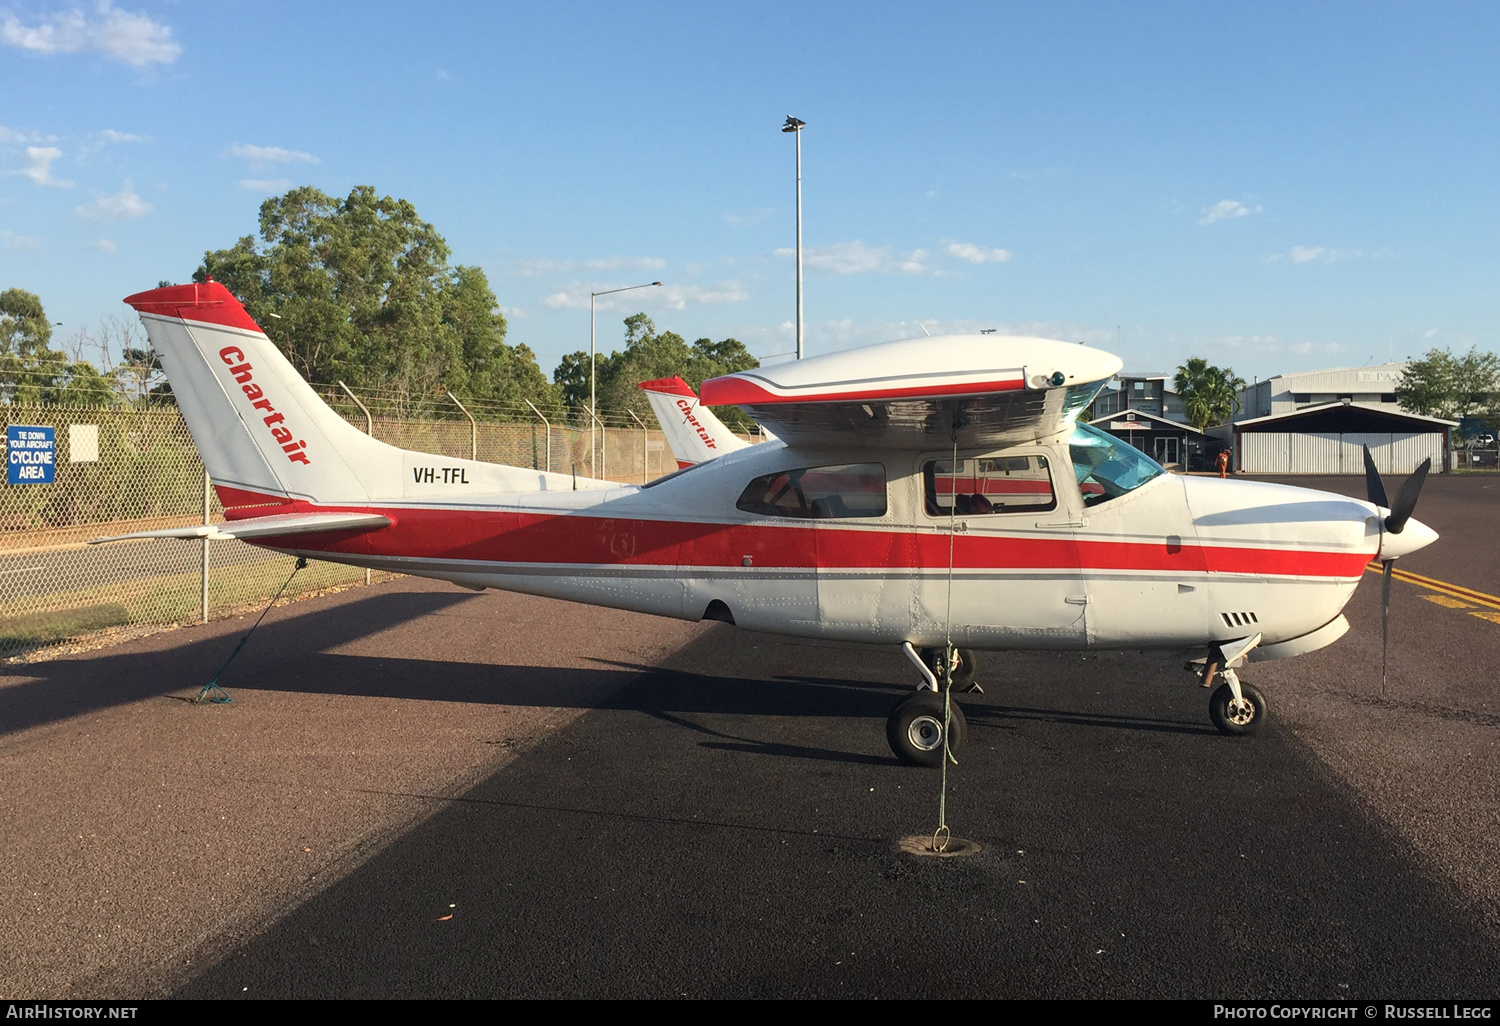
795,126
593,409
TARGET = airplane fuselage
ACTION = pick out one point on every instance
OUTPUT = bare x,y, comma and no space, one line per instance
1177,562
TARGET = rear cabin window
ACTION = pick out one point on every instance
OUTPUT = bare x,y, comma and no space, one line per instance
818,493
998,484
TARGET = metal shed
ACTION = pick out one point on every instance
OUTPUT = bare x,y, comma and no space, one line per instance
1330,439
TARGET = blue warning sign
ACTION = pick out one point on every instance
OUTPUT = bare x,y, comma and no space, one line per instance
32,452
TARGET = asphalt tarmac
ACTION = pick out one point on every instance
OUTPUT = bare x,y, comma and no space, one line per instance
727,827
527,798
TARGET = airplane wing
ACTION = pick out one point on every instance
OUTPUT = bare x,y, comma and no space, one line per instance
693,432
986,390
265,527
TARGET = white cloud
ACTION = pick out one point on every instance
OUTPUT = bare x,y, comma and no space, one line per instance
39,166
260,156
542,266
11,135
857,258
1321,254
132,38
105,138
1429,333
977,254
122,205
10,240
1262,344
1227,210
746,220
103,246
441,75
674,297
265,184
678,297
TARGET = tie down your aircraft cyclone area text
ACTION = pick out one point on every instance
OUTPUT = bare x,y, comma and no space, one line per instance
936,494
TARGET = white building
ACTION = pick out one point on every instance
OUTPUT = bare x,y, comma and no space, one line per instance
1371,387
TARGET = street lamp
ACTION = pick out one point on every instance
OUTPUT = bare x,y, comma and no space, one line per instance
593,408
795,127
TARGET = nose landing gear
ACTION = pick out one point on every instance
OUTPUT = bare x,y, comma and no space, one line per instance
915,729
917,726
1236,708
1237,715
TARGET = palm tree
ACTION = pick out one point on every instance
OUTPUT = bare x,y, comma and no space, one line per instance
1210,395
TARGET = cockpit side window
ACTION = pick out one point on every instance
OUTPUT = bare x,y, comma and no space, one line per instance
1106,467
993,484
818,493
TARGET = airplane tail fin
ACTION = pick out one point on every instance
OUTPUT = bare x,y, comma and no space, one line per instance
266,437
693,432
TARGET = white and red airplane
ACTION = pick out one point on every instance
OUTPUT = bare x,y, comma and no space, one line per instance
933,494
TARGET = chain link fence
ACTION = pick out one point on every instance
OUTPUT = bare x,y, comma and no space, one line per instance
122,469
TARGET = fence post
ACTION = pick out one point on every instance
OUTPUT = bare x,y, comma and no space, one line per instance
369,421
207,502
369,430
473,429
645,448
548,427
603,474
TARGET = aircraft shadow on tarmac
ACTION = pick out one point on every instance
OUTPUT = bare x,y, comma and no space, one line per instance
65,688
293,655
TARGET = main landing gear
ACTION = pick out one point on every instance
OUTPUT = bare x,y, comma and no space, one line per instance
916,727
1236,708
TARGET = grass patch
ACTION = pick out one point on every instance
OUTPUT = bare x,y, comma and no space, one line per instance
61,625
164,600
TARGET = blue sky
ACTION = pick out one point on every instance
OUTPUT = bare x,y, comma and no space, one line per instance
1273,186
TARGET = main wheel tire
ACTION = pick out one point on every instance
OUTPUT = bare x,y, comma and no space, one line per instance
915,730
963,673
1242,720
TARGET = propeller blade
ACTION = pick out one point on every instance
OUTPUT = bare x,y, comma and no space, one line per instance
1374,487
1406,498
1385,619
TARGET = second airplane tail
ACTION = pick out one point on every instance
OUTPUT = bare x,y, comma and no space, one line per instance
693,432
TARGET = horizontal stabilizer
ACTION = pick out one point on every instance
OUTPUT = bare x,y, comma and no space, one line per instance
265,527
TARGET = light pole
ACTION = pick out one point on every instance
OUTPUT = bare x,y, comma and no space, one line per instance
795,127
593,409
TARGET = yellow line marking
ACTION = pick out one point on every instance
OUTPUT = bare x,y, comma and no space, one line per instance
1451,603
1468,595
1491,617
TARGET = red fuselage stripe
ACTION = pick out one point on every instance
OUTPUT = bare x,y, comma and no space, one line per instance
492,536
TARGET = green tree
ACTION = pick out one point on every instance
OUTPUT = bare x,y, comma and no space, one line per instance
1210,395
31,371
650,354
360,290
1452,387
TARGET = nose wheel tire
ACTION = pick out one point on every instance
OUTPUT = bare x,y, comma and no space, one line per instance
915,730
1237,718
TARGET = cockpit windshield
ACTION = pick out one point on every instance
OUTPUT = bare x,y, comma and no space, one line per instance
1106,467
